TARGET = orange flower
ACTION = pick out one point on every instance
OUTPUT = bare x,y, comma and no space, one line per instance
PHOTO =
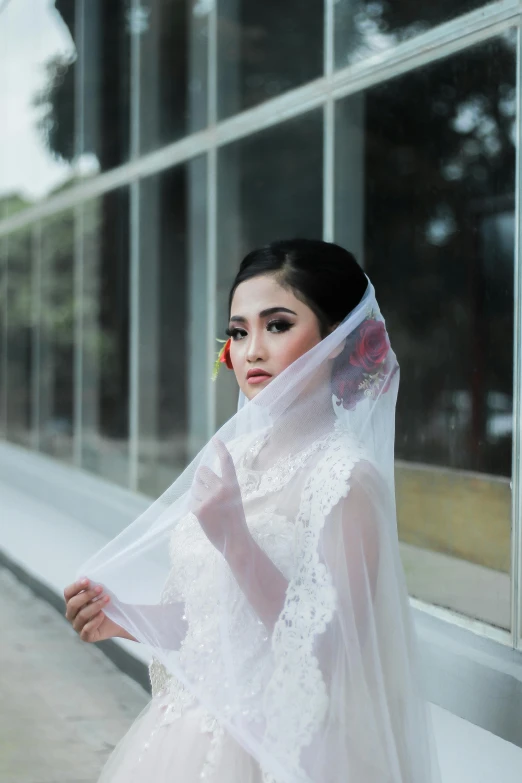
223,358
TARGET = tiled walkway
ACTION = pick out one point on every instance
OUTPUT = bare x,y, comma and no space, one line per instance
63,704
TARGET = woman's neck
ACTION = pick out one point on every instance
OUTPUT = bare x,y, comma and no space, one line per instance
295,431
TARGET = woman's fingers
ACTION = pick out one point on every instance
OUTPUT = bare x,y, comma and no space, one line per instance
75,588
89,612
207,477
78,601
228,470
205,481
88,632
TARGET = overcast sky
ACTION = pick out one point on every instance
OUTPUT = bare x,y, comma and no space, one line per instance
31,32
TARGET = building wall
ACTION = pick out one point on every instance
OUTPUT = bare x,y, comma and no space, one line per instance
148,146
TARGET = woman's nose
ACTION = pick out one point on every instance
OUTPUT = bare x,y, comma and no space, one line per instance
256,348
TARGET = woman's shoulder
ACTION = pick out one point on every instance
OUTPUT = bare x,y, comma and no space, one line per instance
344,448
342,462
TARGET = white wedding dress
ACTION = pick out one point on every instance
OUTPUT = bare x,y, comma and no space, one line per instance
175,740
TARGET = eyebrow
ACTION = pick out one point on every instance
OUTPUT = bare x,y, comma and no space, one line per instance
263,314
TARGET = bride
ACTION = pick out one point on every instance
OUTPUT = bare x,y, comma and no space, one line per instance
266,581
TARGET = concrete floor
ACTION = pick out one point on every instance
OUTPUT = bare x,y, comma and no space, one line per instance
63,704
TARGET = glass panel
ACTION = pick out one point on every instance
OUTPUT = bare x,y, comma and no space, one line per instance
105,131
3,336
431,158
173,323
56,337
105,336
270,187
265,49
173,70
20,344
368,27
37,86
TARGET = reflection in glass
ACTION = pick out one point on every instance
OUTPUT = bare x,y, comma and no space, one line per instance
37,95
105,134
173,323
20,343
363,28
56,336
3,336
270,187
173,70
105,336
265,49
436,235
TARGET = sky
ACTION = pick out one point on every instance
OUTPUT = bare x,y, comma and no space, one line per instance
31,32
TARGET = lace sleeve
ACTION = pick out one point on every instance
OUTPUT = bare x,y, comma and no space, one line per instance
296,698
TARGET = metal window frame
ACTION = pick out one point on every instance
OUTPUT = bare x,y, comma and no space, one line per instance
37,261
446,39
516,514
78,335
329,125
211,227
4,363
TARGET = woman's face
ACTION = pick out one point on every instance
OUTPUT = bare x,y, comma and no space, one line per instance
270,328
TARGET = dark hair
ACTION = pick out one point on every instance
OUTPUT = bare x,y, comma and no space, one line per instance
324,276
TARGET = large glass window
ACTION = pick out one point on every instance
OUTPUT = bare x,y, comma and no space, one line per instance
104,125
56,333
368,27
20,358
428,160
265,49
173,70
173,322
37,93
270,187
105,336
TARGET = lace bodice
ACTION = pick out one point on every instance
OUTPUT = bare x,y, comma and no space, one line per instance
290,541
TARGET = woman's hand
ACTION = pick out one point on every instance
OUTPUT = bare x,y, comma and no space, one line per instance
218,505
84,610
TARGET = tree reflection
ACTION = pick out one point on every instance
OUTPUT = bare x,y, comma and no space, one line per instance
440,160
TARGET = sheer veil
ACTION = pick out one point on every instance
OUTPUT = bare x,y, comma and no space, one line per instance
304,648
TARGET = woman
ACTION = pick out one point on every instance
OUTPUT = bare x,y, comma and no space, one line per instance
279,623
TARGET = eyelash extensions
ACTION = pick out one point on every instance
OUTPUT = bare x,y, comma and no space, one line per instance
283,326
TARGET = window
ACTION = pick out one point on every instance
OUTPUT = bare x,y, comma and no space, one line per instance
19,403
270,187
173,314
429,161
265,49
56,335
104,342
173,37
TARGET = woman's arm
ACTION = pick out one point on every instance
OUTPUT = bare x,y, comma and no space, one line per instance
352,556
261,581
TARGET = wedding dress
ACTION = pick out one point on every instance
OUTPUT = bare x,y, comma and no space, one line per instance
330,693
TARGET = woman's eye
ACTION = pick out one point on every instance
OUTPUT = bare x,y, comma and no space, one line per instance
279,326
235,334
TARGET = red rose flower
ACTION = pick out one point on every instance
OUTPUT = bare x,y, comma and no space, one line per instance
371,347
363,369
